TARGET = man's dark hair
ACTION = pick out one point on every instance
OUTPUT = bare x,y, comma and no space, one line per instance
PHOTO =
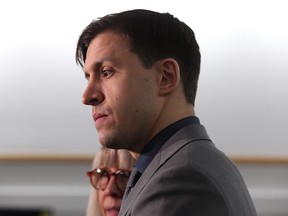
151,36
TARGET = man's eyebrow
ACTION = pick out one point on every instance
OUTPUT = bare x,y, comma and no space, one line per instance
98,64
95,67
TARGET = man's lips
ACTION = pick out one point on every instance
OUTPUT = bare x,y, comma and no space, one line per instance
98,116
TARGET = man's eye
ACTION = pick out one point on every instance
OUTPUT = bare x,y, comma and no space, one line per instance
106,73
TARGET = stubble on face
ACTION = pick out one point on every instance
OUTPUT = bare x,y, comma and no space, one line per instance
130,98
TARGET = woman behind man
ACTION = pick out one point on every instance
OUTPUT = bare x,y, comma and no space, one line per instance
109,176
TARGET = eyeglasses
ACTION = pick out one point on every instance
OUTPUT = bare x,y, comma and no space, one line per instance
99,178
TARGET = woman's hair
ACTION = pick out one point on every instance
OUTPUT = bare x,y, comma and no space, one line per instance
106,158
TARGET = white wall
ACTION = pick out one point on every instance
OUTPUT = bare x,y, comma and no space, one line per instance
243,91
242,97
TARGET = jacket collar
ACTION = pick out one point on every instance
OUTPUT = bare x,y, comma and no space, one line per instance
183,137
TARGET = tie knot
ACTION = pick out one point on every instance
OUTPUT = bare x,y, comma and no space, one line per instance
135,175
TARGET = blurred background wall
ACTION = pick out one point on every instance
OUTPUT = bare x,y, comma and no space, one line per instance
61,187
47,137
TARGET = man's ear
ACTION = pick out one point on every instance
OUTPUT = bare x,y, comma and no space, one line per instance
169,75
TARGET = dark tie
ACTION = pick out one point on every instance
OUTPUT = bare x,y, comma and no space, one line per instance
135,175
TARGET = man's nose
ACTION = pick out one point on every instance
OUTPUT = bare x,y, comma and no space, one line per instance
92,95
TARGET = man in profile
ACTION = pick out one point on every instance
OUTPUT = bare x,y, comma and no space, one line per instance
142,69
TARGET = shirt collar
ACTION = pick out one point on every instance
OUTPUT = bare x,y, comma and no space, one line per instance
158,141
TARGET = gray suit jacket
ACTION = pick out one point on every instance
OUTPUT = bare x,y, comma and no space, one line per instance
189,176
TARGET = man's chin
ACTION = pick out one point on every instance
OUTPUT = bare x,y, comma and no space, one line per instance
112,144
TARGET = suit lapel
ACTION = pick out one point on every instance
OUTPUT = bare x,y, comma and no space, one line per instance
186,135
